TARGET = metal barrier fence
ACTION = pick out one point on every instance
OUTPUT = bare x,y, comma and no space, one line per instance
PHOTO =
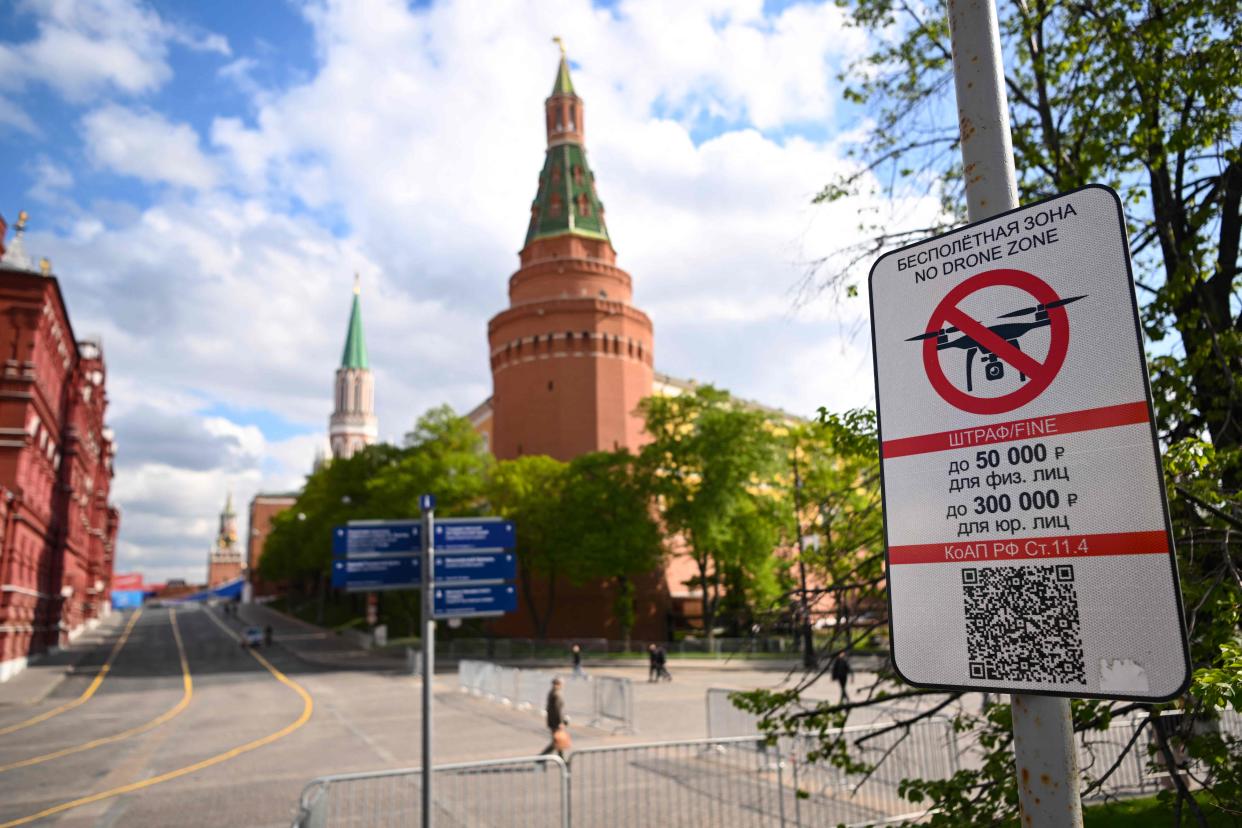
735,782
531,792
931,751
600,701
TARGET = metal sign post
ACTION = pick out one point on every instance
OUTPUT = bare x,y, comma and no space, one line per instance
1043,737
428,505
1028,546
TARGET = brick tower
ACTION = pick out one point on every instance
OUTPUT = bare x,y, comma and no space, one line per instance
570,357
353,425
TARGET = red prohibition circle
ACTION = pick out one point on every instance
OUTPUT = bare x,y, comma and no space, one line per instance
1039,375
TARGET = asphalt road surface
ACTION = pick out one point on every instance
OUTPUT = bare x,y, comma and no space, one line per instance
167,720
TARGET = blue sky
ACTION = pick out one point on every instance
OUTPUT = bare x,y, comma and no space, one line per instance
207,178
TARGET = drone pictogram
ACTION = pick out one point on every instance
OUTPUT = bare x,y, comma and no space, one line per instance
1010,332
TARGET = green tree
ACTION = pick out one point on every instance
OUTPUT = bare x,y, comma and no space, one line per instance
607,520
707,461
443,455
1143,95
528,491
838,464
298,552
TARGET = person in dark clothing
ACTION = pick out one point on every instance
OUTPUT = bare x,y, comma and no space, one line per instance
662,659
267,636
555,712
841,670
653,666
577,654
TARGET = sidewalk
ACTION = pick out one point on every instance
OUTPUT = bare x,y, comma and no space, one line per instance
45,672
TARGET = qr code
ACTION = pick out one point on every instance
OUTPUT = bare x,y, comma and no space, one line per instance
1022,624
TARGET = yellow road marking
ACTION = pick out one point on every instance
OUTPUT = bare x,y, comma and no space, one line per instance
187,694
89,691
308,706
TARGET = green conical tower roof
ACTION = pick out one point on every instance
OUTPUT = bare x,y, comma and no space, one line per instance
355,355
566,201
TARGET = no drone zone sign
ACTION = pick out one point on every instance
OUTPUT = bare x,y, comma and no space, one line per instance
1028,540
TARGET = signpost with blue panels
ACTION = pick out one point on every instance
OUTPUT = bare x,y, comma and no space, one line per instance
471,567
472,601
373,573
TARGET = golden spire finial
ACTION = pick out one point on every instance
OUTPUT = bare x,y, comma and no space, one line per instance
21,220
557,40
45,266
357,284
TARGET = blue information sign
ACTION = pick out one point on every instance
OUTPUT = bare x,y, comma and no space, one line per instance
475,567
374,574
377,537
474,533
467,601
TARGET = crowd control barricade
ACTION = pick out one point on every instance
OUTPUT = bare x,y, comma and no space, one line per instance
614,704
531,792
677,785
600,701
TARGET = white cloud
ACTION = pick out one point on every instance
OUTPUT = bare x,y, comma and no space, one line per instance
420,134
147,146
85,47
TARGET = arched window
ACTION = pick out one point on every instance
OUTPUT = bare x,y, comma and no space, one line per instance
554,206
357,393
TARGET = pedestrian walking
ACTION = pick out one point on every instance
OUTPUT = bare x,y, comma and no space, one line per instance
661,660
267,636
841,670
557,721
653,668
577,654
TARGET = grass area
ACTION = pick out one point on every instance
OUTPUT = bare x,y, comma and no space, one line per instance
1148,811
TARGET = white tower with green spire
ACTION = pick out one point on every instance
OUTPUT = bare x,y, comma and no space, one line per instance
353,424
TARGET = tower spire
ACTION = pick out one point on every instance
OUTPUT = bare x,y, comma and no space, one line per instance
355,354
566,201
353,424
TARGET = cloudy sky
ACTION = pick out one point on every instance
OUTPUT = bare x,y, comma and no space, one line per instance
207,177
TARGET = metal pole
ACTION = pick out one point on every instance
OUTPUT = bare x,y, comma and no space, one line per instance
1043,739
808,643
429,656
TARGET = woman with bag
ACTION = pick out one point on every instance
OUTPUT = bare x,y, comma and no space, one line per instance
557,721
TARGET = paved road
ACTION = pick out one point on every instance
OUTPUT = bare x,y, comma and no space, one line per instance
203,732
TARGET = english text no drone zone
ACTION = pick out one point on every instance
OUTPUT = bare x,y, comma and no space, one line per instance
986,246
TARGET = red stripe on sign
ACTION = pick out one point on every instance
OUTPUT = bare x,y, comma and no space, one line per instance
1050,425
1031,549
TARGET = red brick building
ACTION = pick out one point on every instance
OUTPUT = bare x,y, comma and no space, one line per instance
263,507
57,527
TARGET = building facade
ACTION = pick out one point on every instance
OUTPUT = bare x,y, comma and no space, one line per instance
263,507
353,425
571,356
58,535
